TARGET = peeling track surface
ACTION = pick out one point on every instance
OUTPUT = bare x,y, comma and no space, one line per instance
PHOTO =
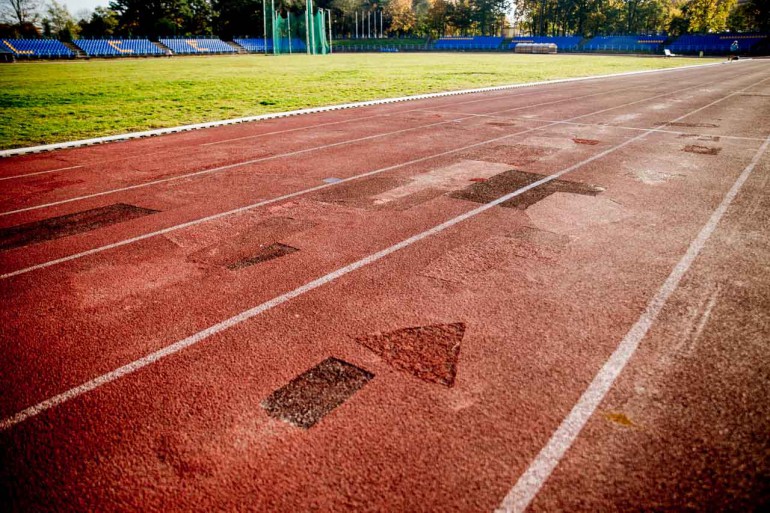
336,312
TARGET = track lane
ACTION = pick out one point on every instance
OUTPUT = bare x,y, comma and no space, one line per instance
145,333
230,160
48,251
180,444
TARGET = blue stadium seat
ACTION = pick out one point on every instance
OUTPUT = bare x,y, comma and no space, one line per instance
118,47
563,43
38,48
469,43
255,44
197,46
628,43
714,44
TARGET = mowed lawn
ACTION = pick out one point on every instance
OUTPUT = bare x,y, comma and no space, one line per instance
46,102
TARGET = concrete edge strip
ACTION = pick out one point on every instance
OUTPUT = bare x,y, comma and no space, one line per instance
314,110
130,368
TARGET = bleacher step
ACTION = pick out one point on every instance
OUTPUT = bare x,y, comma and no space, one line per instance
238,48
80,53
166,50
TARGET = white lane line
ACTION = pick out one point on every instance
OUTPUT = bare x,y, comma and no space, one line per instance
600,125
384,101
538,472
290,130
134,366
290,154
138,238
39,173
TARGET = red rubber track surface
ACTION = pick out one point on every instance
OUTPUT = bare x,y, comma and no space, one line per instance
545,294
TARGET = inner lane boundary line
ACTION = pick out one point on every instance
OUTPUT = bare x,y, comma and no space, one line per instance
600,125
264,134
288,154
540,469
302,192
314,110
151,358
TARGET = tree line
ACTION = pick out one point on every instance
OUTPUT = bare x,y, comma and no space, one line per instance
400,18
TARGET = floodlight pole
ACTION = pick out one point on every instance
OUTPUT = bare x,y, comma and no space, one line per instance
272,17
307,28
356,24
312,26
288,25
264,25
330,29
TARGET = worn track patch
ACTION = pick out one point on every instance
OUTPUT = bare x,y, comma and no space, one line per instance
70,224
312,395
429,353
271,252
510,181
701,150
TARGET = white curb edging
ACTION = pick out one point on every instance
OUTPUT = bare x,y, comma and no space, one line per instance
315,110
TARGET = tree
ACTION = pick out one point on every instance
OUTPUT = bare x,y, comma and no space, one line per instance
401,15
20,11
59,22
707,15
103,22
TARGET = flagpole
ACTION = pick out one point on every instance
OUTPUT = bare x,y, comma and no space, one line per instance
264,25
307,27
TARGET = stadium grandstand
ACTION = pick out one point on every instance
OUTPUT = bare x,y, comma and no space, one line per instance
254,45
118,47
193,46
626,44
563,43
38,48
715,44
469,43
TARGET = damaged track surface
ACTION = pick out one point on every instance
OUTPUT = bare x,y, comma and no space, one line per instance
422,378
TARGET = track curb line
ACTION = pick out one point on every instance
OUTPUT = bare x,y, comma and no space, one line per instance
315,110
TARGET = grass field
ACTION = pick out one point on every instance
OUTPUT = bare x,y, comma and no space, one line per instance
59,101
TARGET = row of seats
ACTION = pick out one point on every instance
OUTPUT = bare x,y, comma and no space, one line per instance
117,47
189,46
631,43
469,43
563,43
257,45
48,48
714,43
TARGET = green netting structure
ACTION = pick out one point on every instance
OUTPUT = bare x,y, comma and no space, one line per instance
302,32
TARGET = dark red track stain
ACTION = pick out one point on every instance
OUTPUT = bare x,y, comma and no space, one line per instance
589,142
691,125
271,252
429,353
699,137
70,224
511,154
701,150
357,193
309,397
510,181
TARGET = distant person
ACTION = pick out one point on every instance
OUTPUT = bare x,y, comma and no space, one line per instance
734,49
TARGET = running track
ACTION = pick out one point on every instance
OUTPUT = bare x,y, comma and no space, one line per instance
554,298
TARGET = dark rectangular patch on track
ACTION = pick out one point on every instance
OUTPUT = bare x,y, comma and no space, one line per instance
315,393
271,252
701,150
510,181
70,224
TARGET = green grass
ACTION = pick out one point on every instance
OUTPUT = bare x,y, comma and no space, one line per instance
50,102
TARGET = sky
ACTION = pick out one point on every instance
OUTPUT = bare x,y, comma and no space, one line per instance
77,5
